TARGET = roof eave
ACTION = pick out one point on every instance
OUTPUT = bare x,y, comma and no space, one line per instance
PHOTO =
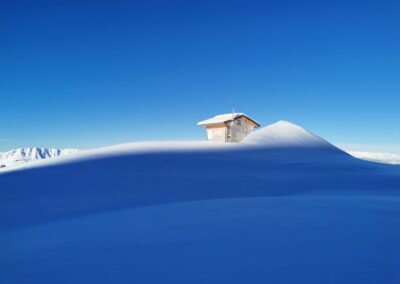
212,123
252,120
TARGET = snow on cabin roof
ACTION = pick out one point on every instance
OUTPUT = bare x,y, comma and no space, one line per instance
225,118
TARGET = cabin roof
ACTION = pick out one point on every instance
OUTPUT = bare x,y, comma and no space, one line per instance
222,118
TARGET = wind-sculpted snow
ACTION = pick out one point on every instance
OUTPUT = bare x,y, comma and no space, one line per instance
198,212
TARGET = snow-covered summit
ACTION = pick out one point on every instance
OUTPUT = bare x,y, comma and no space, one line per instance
24,155
285,134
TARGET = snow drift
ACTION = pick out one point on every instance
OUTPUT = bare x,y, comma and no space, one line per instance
285,206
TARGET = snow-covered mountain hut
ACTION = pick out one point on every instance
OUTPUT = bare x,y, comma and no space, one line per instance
231,127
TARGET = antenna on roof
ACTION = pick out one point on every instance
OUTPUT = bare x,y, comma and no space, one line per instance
230,128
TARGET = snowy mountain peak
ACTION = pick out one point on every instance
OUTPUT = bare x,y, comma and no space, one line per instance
285,134
23,155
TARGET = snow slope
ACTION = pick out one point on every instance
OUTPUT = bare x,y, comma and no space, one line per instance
285,134
294,211
24,155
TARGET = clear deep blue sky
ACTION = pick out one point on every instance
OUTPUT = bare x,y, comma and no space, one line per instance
90,73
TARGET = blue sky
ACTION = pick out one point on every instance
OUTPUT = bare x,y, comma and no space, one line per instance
83,74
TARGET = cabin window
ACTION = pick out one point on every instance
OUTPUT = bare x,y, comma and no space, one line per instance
239,122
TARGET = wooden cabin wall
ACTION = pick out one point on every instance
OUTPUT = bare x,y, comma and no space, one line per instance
239,129
216,133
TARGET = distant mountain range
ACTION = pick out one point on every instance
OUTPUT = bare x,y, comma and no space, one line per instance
386,158
24,155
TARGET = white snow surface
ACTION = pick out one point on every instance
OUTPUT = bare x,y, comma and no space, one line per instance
285,134
25,155
284,207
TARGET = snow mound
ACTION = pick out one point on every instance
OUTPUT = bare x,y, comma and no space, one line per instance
171,212
284,134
